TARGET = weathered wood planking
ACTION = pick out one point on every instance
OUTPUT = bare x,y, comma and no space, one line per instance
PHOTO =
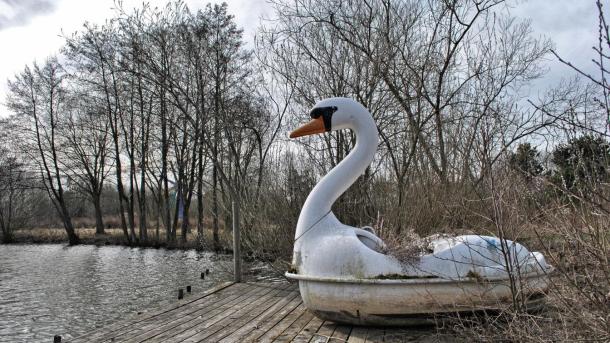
246,312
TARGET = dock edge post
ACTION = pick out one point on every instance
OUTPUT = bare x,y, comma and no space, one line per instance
236,243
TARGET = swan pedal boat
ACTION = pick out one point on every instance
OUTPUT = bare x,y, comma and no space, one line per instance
346,275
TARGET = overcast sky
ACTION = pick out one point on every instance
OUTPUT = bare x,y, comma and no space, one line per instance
30,30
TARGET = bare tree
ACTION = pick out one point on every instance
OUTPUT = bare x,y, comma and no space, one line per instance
14,185
440,78
38,96
95,52
87,145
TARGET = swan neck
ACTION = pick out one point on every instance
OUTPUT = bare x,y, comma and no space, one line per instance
341,177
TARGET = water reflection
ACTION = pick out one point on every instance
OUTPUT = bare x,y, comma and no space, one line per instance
53,289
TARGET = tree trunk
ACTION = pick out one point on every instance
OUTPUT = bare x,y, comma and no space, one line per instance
179,202
145,135
159,201
199,214
143,224
99,223
200,195
215,209
7,234
130,203
6,219
164,151
121,193
72,237
185,222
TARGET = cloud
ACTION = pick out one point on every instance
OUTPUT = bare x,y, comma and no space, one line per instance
20,12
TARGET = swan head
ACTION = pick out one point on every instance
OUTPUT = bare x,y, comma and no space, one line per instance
334,114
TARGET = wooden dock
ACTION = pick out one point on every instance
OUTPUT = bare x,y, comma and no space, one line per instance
246,312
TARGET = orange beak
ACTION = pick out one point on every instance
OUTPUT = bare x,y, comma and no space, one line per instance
312,127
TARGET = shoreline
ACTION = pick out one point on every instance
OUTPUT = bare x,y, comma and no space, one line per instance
112,237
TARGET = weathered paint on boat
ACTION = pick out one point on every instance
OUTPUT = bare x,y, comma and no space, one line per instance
411,301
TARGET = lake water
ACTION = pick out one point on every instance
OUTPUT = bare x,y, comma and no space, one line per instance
52,289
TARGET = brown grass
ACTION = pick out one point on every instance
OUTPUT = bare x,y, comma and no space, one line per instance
114,236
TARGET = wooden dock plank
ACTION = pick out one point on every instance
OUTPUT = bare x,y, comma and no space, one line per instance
267,319
167,320
308,331
281,323
199,328
293,330
100,334
185,319
240,318
358,334
341,333
324,333
247,312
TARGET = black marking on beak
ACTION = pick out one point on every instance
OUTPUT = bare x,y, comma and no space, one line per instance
326,113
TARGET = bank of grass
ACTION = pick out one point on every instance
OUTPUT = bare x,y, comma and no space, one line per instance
115,236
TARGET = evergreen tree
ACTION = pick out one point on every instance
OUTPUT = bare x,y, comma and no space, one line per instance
526,160
582,163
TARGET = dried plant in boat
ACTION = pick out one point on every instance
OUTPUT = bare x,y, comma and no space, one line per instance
406,247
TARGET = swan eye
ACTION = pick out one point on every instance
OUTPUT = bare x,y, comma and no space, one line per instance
326,113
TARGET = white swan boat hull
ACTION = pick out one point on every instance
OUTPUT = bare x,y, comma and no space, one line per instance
346,274
411,301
